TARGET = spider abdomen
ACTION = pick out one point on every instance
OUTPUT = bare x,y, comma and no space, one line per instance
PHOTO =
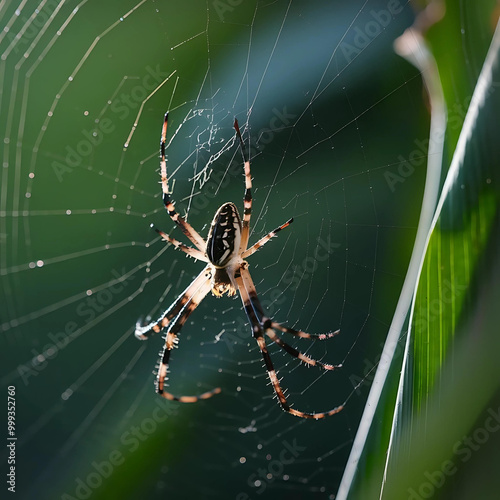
224,238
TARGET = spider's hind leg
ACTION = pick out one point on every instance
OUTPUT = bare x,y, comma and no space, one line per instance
267,325
143,332
304,335
251,307
171,340
161,377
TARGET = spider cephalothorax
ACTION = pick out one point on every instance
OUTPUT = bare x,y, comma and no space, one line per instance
226,271
221,282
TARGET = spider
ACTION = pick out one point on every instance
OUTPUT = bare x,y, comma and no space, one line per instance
224,252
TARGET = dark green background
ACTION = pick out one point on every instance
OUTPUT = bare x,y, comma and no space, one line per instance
353,122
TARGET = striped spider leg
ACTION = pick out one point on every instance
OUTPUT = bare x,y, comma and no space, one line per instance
171,341
144,332
226,271
175,317
263,326
185,227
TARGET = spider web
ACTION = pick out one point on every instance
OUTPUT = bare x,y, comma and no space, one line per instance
319,95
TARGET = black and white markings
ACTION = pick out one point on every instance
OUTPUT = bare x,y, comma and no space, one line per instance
225,235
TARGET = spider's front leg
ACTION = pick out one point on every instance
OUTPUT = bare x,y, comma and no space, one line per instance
247,200
184,226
